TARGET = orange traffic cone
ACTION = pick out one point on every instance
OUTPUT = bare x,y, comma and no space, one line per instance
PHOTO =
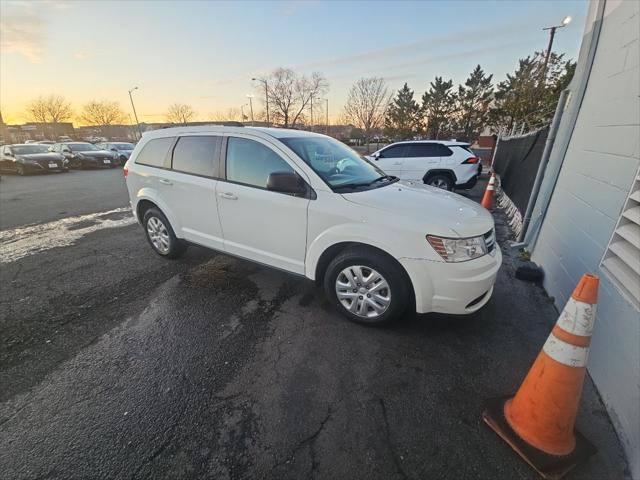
538,422
487,199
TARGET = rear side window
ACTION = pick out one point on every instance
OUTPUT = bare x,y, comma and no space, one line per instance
197,155
251,163
445,151
397,151
423,150
154,153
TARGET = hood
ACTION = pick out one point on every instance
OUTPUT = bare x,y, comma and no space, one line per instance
41,157
97,154
438,209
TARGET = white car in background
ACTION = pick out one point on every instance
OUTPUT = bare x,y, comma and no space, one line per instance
439,163
310,205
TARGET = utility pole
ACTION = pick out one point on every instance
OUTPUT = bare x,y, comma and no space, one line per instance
250,97
266,95
327,113
552,34
311,119
134,111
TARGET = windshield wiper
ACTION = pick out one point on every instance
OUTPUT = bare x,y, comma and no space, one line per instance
383,177
351,185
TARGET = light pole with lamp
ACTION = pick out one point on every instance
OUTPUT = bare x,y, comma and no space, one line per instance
552,34
250,97
134,110
266,95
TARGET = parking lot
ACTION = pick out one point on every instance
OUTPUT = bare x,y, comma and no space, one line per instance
115,363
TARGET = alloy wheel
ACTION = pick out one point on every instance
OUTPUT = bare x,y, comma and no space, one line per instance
158,234
439,183
363,291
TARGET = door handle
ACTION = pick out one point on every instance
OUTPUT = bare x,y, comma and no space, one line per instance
164,181
227,195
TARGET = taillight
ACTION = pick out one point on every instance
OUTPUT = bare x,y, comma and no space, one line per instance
471,160
125,171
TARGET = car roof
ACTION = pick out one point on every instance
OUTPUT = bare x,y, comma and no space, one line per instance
449,143
23,145
221,129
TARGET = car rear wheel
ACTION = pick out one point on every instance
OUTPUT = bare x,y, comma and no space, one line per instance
366,286
160,234
445,182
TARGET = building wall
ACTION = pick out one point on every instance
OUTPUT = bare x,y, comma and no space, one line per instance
597,172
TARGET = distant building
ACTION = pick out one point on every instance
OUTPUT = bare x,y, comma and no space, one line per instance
36,131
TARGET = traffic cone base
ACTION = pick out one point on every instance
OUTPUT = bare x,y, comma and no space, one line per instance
552,467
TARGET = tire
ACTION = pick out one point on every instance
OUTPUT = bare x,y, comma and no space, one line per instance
439,180
365,262
165,243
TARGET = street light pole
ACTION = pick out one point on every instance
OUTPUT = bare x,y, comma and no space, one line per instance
134,111
266,95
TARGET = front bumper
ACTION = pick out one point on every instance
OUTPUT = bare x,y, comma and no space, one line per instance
36,167
453,288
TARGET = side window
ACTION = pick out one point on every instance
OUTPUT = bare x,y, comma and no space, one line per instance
154,153
423,150
250,162
446,151
396,151
197,155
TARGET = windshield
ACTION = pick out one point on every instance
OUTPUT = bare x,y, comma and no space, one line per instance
123,146
82,147
337,164
29,149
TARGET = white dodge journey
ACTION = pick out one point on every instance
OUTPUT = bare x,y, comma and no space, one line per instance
310,205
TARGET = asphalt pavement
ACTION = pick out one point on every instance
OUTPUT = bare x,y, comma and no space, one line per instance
115,363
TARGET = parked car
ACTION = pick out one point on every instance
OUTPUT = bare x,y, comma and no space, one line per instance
85,155
443,164
65,138
122,149
46,142
31,158
308,204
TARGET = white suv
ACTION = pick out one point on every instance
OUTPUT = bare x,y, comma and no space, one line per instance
310,205
442,164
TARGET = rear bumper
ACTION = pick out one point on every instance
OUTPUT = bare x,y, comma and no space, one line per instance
453,288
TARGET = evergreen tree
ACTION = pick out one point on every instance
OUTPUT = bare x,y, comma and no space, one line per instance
438,104
529,95
403,116
472,105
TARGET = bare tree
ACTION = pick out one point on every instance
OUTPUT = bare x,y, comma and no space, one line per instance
290,94
52,109
228,115
367,104
101,113
180,113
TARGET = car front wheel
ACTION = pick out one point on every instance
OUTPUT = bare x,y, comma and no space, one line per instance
160,235
366,286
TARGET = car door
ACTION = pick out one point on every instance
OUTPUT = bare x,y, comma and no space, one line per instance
5,159
390,159
189,188
420,158
262,225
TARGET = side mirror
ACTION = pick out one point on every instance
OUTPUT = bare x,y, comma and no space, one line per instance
9,154
286,182
376,155
113,149
66,150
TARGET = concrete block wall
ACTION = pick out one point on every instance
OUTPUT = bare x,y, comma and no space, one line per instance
597,172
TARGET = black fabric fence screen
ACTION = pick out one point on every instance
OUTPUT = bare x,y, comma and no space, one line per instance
516,161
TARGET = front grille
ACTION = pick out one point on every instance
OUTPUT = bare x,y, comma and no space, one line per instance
476,301
490,240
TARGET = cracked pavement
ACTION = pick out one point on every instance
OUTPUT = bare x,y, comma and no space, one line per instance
117,364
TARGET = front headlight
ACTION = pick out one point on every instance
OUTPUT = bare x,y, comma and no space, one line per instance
458,249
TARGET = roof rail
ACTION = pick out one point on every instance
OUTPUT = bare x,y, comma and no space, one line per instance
232,124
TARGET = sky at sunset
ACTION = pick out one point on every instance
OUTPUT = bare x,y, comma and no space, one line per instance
204,53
